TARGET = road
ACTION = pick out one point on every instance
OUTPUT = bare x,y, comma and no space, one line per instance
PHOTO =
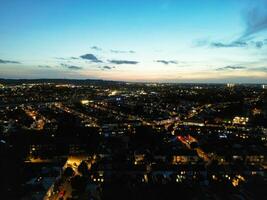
65,188
82,116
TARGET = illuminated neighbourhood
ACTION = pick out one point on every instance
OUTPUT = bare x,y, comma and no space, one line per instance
133,100
94,139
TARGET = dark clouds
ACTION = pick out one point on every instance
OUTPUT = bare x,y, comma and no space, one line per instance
249,69
232,44
166,62
259,44
230,68
120,62
90,57
71,67
239,43
106,67
9,62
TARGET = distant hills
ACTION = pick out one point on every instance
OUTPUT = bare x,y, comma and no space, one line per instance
57,81
101,81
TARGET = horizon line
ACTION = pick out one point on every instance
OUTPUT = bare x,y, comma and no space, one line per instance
125,81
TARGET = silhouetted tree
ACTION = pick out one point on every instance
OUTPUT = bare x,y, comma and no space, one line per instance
78,183
68,172
83,168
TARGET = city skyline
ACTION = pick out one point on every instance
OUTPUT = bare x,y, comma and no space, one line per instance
163,40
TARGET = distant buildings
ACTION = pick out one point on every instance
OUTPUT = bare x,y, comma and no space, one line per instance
240,120
137,136
230,85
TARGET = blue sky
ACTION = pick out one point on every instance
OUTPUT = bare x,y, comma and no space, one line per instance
149,40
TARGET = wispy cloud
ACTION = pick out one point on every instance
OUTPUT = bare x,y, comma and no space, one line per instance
71,67
106,67
9,62
90,57
230,68
121,51
261,69
256,20
231,44
120,62
96,48
60,58
166,62
239,43
243,68
67,58
44,66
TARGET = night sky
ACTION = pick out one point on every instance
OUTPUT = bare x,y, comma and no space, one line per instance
148,40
